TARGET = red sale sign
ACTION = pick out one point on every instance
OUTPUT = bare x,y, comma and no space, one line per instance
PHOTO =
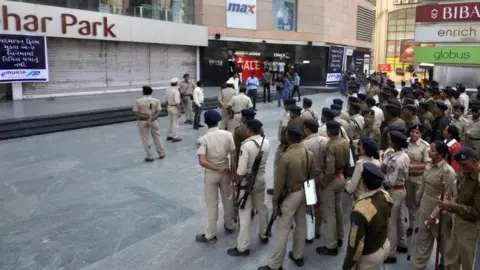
249,64
384,67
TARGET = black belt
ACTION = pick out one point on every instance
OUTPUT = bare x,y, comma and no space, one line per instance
474,139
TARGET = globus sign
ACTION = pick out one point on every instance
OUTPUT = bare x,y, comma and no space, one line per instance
448,12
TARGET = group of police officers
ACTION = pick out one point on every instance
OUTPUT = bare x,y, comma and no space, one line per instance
387,149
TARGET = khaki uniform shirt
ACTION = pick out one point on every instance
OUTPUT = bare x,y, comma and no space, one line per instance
293,162
353,186
397,168
344,115
226,95
418,153
462,125
322,131
473,130
369,231
142,105
248,153
298,122
357,122
342,122
430,190
467,201
216,145
172,96
186,88
384,141
427,120
449,110
309,114
240,102
372,133
283,123
240,135
316,143
337,158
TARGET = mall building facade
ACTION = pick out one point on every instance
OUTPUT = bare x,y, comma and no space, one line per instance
111,46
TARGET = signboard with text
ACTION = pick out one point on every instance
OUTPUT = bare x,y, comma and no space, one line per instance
448,12
448,55
404,2
447,33
384,67
242,14
250,63
335,64
24,58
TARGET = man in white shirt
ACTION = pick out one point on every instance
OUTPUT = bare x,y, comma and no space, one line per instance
464,98
197,104
379,117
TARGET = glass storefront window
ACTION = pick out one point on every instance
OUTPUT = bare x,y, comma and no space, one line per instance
182,11
284,15
401,26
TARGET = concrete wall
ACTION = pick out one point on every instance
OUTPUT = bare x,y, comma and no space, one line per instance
330,21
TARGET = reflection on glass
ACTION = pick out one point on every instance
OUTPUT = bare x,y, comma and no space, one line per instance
284,15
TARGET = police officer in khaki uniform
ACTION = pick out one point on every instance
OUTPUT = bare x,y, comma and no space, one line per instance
392,118
337,112
316,144
186,88
172,99
282,146
327,115
147,109
368,241
308,112
237,104
426,119
473,130
437,171
357,122
409,116
343,113
465,209
417,151
370,129
213,150
337,157
249,151
293,208
395,165
460,121
224,97
241,132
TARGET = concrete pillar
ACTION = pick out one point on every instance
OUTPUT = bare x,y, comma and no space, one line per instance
17,91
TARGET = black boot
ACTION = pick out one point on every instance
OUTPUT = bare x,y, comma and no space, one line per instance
327,251
234,252
299,262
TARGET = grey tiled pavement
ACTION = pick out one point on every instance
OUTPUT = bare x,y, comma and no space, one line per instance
84,199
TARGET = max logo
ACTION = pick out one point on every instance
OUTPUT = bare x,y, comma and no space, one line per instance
242,8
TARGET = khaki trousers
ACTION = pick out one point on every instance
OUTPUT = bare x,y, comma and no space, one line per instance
153,128
235,122
172,121
375,260
412,187
332,211
475,145
425,238
225,119
187,106
461,248
293,209
245,218
214,182
318,214
396,231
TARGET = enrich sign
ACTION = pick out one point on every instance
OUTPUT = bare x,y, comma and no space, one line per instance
242,14
448,12
447,33
448,55
30,19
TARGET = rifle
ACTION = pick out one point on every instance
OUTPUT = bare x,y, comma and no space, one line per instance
439,230
252,177
282,197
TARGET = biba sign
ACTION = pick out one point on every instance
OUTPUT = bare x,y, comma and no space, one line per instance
68,22
448,12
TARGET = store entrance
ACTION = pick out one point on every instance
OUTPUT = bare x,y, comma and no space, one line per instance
244,63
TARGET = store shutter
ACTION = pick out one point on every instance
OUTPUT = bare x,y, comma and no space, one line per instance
77,65
365,23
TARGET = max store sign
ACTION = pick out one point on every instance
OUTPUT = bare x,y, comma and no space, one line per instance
30,19
241,14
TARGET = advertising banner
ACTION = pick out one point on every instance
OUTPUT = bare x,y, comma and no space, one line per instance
384,67
242,14
448,55
407,48
250,62
284,12
448,12
447,33
24,58
335,64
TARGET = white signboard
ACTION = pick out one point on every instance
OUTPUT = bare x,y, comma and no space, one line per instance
242,14
30,19
448,33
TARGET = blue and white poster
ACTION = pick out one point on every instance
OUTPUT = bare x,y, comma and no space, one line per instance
335,64
23,58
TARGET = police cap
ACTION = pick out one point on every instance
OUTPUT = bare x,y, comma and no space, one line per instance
398,138
371,101
333,125
418,127
289,101
328,113
442,106
395,102
372,176
296,109
212,116
460,107
409,101
384,94
294,131
248,113
362,96
254,125
307,102
396,128
465,153
392,108
410,107
338,101
423,104
311,124
336,107
370,147
353,100
355,106
368,112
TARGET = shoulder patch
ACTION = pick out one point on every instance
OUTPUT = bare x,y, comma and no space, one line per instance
425,142
199,144
392,170
366,208
329,156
